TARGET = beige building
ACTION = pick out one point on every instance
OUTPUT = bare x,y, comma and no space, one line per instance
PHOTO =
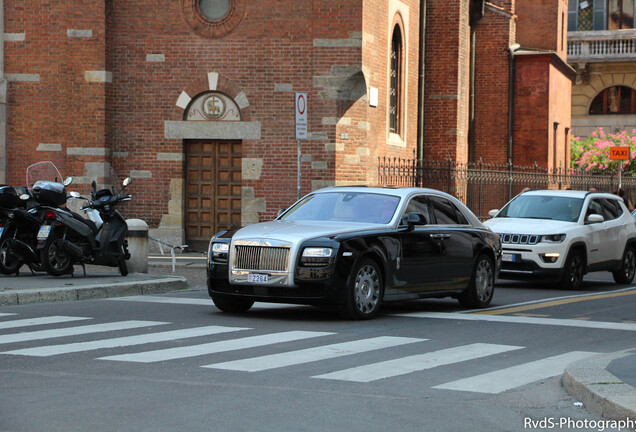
602,50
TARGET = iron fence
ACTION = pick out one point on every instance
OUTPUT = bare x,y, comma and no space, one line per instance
483,186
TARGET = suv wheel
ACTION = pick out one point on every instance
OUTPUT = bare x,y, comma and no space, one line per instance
573,271
625,274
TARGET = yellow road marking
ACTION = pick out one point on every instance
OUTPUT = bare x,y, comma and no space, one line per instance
554,303
532,315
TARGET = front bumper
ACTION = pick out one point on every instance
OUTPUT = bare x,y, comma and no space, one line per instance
530,261
324,291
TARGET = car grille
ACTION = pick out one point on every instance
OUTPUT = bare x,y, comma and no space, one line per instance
261,258
519,239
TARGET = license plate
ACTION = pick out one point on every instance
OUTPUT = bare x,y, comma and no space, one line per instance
44,232
511,257
257,278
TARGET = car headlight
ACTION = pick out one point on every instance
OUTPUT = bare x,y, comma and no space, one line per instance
219,251
316,256
553,238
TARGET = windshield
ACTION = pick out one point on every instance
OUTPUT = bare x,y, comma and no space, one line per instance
344,206
543,207
42,171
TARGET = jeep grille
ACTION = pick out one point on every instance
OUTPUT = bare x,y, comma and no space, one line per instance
520,239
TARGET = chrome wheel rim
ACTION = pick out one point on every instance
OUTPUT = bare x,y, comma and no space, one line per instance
367,289
484,281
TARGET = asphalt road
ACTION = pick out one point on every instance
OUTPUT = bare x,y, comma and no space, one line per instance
175,363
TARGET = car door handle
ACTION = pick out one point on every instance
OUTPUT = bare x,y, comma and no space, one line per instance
442,236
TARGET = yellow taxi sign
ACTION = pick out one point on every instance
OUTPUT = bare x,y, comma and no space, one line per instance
619,153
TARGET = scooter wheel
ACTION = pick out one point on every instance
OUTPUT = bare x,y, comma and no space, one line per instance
8,264
123,268
55,260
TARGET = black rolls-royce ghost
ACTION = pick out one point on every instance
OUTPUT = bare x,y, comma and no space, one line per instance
353,248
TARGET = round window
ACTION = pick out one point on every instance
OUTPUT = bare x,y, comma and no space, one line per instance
215,10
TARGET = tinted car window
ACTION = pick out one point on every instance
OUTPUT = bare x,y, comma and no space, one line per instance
594,207
418,204
445,213
612,209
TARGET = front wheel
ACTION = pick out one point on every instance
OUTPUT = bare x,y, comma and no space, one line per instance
573,271
481,287
364,291
55,260
8,264
625,274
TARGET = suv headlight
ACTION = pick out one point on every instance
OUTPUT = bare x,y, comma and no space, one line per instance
553,238
219,252
316,256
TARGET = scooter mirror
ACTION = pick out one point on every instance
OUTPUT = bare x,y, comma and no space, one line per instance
127,181
68,181
25,197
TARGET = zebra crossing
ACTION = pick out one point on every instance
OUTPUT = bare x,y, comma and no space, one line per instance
153,336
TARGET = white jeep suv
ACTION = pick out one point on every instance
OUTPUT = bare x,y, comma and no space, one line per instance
564,234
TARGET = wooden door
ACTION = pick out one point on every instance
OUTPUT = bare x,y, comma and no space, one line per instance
213,189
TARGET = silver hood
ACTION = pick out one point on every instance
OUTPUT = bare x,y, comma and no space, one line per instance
294,232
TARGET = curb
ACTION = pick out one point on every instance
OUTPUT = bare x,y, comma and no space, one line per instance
90,292
600,391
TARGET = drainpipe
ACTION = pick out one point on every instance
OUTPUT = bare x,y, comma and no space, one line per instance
422,92
3,103
511,94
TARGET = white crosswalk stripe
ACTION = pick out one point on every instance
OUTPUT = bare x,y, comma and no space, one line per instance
38,321
6,314
292,358
215,347
405,365
74,331
52,350
197,302
603,325
516,376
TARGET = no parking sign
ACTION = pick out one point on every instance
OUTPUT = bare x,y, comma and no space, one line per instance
301,115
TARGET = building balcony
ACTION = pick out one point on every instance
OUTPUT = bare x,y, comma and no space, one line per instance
601,46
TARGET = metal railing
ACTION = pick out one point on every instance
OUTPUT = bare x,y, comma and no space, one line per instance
482,186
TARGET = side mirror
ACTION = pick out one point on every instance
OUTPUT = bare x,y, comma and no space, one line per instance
595,218
127,181
415,219
492,213
68,181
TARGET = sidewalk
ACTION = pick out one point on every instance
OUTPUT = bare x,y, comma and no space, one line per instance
605,384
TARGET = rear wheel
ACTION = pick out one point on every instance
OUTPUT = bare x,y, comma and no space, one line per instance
8,264
364,291
55,260
573,271
625,274
227,304
123,268
481,287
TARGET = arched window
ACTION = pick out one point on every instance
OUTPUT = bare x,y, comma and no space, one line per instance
614,100
395,100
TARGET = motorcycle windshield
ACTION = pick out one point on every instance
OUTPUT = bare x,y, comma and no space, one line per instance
108,179
42,171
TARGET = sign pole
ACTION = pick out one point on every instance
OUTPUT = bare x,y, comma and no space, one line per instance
300,106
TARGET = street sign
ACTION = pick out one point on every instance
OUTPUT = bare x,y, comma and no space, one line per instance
301,115
619,153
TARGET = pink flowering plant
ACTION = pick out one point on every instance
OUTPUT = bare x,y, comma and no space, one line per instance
593,154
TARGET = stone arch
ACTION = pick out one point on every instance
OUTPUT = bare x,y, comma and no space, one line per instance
584,95
212,81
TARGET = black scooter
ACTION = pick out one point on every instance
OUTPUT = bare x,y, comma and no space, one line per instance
65,238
